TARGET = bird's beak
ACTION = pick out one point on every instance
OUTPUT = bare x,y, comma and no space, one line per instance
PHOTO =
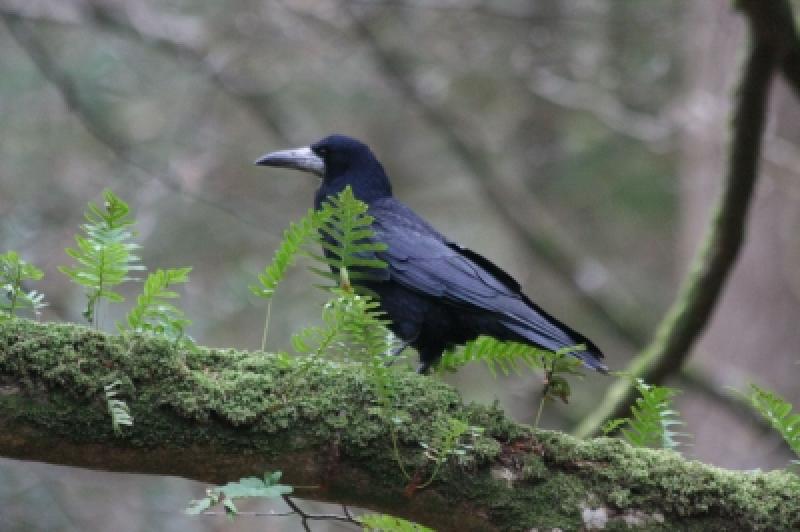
299,159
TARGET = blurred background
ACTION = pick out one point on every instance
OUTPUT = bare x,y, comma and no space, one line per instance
578,143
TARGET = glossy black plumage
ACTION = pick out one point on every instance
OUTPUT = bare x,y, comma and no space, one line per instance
436,293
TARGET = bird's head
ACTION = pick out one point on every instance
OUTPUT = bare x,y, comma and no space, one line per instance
339,161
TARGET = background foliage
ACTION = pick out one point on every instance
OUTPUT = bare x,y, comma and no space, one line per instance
551,136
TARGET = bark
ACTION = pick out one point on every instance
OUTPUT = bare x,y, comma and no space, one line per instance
216,415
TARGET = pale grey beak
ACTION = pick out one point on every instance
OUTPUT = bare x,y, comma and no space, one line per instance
299,159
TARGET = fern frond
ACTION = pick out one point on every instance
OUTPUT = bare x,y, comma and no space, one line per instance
113,215
14,271
652,418
298,235
778,412
117,408
496,354
345,235
355,328
105,255
342,228
153,312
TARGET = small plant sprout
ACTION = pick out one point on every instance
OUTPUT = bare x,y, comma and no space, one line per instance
267,487
778,412
104,256
652,418
557,365
455,440
153,312
14,272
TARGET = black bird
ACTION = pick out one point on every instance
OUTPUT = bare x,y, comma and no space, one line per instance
436,293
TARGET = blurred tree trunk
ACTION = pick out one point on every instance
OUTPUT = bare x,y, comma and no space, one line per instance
754,334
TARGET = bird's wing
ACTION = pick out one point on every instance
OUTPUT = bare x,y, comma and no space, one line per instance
421,259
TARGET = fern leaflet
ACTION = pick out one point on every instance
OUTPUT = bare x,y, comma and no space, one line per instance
117,408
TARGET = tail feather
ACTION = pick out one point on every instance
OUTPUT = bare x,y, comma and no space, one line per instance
591,356
591,361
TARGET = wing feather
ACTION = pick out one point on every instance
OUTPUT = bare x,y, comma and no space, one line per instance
421,259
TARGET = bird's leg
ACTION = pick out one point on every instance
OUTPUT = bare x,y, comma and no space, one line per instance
400,348
397,350
428,356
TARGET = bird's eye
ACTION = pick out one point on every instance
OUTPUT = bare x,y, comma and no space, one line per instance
322,151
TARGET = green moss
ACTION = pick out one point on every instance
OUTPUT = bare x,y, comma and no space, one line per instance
534,469
266,405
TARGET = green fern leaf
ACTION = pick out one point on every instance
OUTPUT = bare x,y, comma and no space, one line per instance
298,235
355,329
13,272
153,313
652,418
506,357
345,234
778,412
105,255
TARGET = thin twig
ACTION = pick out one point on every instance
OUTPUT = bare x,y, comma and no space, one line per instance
256,102
266,326
653,132
97,128
522,13
306,517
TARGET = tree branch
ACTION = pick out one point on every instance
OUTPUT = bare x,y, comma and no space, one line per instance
655,132
774,22
243,92
715,258
522,13
216,415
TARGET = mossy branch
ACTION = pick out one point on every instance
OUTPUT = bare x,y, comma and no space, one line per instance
218,415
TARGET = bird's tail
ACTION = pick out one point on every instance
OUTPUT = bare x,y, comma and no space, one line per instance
558,338
591,360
